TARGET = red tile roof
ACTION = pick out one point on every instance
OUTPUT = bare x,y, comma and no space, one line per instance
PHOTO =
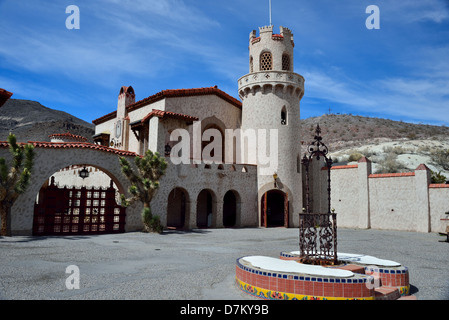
167,114
68,135
349,166
4,96
439,186
391,175
73,145
173,94
422,167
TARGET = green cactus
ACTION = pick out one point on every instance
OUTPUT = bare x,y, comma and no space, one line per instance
150,168
14,180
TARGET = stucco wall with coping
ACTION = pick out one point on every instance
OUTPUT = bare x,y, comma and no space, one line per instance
404,201
392,204
439,205
344,189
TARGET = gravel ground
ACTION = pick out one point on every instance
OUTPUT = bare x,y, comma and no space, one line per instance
195,265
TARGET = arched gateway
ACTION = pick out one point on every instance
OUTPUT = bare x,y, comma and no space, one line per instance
51,157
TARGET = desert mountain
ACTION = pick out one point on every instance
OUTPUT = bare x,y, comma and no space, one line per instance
31,121
392,146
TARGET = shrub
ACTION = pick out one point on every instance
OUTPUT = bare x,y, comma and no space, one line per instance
390,165
441,158
437,177
356,156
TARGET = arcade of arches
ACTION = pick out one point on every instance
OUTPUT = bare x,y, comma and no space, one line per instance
207,209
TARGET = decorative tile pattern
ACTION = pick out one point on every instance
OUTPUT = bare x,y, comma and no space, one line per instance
287,286
389,276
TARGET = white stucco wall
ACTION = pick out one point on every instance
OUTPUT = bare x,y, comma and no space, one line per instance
219,182
405,202
439,205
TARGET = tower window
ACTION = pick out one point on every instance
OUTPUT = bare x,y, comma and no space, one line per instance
284,117
251,68
285,62
266,61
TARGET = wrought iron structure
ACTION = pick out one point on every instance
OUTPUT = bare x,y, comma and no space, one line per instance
317,231
318,238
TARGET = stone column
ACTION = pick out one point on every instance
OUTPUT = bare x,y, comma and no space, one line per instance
219,214
422,213
364,170
190,222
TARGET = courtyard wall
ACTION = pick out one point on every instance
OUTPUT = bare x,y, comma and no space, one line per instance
393,201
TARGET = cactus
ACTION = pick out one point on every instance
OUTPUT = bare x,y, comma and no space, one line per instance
13,180
151,167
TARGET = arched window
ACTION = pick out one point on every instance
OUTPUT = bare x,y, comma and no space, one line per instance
284,116
266,61
285,62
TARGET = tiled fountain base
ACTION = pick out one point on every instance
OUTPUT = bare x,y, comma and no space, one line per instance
356,278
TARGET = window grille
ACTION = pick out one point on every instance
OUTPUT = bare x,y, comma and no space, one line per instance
266,61
285,62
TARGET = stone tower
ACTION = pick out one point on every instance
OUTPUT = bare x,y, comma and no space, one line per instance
271,93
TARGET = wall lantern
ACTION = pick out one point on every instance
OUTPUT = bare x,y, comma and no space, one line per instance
275,177
84,173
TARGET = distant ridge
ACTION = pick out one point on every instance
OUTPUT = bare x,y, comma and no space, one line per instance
343,131
31,121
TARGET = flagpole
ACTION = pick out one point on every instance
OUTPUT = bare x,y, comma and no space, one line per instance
270,12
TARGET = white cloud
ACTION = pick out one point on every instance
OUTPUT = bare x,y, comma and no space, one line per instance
436,11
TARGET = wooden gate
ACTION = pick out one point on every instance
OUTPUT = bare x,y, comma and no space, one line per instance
78,211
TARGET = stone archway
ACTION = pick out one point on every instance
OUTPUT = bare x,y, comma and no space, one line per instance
231,209
206,209
50,158
274,213
178,208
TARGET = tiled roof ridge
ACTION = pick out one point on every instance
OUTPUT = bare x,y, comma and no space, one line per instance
169,93
170,114
69,145
68,134
390,175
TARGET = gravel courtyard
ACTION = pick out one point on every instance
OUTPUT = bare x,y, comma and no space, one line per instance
195,265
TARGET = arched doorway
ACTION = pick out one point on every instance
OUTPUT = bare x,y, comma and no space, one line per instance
230,208
274,205
177,208
205,209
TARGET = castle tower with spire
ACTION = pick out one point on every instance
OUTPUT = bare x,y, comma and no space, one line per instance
271,94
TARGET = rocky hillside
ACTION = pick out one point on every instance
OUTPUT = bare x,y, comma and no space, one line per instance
392,146
31,121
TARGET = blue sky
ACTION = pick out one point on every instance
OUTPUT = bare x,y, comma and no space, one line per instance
399,72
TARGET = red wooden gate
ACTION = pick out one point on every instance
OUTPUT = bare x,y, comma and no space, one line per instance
80,211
